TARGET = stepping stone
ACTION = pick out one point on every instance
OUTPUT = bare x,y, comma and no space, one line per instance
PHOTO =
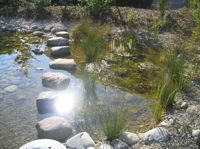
43,144
55,80
60,51
55,127
46,102
63,64
80,141
38,33
57,41
63,34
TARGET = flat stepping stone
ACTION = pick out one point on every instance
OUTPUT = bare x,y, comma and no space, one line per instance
63,34
38,33
55,127
57,41
80,141
63,64
46,102
43,144
60,51
55,80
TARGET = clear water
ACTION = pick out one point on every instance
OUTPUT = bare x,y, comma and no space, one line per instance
18,113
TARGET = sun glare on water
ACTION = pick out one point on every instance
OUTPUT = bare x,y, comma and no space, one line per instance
65,103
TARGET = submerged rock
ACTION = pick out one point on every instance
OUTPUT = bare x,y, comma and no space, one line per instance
80,141
46,102
60,51
159,134
57,128
63,34
129,138
11,88
55,80
63,64
43,144
57,41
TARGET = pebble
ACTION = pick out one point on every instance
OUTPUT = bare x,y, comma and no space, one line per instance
11,88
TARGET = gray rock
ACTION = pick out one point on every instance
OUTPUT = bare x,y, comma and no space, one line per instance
43,144
193,109
38,33
63,64
55,80
196,135
46,102
34,27
118,144
184,105
60,51
57,41
106,146
63,34
129,138
159,134
168,122
11,88
54,127
80,141
58,29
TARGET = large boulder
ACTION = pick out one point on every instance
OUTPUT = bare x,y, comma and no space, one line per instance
159,134
63,34
60,51
46,102
80,141
43,144
129,138
55,80
63,64
57,128
57,41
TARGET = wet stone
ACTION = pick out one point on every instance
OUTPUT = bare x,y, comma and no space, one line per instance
63,34
55,80
55,127
63,64
57,41
60,51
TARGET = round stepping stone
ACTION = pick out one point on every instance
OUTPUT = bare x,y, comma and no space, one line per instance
46,102
38,33
43,144
63,64
63,34
55,127
55,80
57,41
60,51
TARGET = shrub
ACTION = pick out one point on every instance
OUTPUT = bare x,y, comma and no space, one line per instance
95,6
162,7
90,38
111,120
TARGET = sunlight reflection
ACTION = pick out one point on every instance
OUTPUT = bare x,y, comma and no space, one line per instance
65,102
